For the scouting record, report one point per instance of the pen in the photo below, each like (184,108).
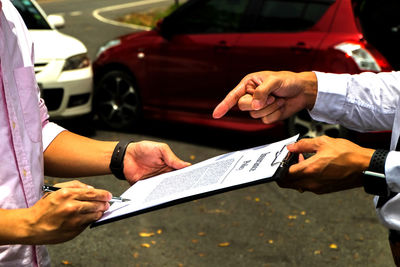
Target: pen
(375,174)
(49,188)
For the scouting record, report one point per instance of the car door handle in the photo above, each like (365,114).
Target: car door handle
(301,47)
(222,45)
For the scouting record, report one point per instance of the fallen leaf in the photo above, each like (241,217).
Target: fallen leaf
(307,221)
(153,242)
(145,245)
(202,254)
(192,157)
(201,234)
(271,241)
(195,241)
(143,234)
(136,255)
(159,231)
(292,217)
(224,244)
(317,252)
(333,246)
(303,213)
(250,250)
(257,199)
(65,262)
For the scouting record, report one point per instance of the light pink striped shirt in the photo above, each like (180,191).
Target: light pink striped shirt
(23,122)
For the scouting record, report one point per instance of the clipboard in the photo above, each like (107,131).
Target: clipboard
(281,164)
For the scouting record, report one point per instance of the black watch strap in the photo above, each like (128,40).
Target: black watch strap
(374,180)
(117,159)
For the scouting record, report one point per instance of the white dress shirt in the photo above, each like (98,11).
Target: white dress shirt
(366,102)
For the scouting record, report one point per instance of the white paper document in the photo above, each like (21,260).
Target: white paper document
(212,175)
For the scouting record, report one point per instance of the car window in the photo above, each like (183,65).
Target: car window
(380,23)
(31,16)
(288,15)
(212,16)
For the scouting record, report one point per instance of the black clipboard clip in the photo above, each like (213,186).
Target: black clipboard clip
(284,165)
(289,160)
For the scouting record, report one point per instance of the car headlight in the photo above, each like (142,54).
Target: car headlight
(77,62)
(108,45)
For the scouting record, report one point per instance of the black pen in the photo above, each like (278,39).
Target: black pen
(49,188)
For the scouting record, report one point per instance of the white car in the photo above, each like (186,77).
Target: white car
(62,66)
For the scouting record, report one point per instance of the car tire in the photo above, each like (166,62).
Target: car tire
(116,100)
(303,124)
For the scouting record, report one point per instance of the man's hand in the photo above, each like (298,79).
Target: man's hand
(61,215)
(146,159)
(271,96)
(336,165)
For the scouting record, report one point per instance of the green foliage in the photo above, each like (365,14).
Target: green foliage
(149,18)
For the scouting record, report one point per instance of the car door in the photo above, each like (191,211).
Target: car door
(284,35)
(191,64)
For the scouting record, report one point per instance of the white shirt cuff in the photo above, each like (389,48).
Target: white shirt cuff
(392,171)
(331,97)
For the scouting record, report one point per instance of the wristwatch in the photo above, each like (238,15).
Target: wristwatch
(374,180)
(117,159)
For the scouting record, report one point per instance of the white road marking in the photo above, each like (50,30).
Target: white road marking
(75,13)
(96,13)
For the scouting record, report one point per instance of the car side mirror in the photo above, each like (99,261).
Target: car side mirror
(56,21)
(164,29)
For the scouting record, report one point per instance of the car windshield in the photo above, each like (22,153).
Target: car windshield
(32,17)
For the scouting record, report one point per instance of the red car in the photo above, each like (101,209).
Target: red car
(183,68)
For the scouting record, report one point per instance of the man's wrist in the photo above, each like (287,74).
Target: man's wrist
(310,85)
(374,179)
(117,159)
(16,227)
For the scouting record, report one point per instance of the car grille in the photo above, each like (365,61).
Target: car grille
(52,98)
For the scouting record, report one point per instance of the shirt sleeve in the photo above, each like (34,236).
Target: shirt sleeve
(389,214)
(49,129)
(362,102)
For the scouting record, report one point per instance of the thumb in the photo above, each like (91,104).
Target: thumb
(172,160)
(303,146)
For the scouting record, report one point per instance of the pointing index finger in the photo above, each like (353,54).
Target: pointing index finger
(230,100)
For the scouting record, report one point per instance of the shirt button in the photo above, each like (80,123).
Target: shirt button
(13,125)
(24,172)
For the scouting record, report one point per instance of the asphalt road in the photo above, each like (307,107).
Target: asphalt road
(262,225)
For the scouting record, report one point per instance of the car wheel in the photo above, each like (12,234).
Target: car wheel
(303,124)
(116,100)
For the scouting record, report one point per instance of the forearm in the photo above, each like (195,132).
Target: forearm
(14,227)
(72,155)
(364,102)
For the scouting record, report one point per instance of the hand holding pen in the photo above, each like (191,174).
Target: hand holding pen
(61,215)
(49,189)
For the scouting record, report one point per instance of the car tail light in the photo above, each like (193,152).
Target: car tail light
(366,58)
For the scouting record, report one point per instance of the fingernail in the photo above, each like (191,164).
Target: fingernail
(89,186)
